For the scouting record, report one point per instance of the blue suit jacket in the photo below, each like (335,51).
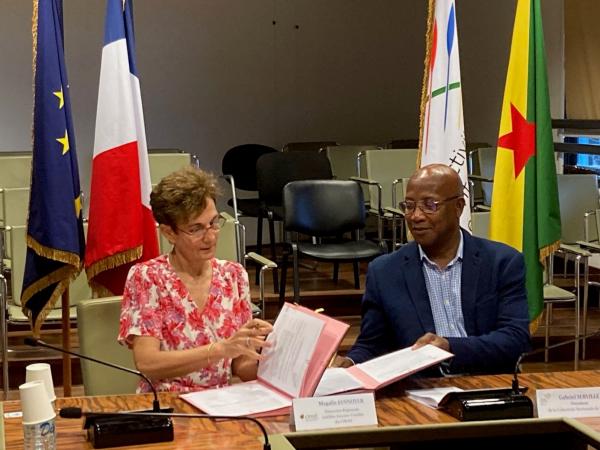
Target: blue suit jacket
(396,309)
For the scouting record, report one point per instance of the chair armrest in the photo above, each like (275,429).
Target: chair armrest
(483,208)
(590,245)
(231,181)
(261,260)
(370,182)
(589,213)
(266,264)
(566,248)
(481,178)
(365,181)
(586,224)
(394,211)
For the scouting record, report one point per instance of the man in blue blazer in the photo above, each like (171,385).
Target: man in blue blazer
(461,293)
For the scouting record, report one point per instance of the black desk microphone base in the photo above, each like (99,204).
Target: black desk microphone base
(487,404)
(119,430)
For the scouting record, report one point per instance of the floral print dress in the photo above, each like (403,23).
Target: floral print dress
(156,303)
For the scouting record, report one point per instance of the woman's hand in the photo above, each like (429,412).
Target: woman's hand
(247,341)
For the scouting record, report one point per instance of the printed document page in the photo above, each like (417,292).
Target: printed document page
(402,362)
(431,397)
(237,400)
(294,338)
(336,380)
(331,336)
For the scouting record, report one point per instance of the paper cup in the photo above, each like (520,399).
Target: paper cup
(41,372)
(35,403)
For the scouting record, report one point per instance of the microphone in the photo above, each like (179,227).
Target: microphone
(33,342)
(487,404)
(76,413)
(490,404)
(499,403)
(515,381)
(113,430)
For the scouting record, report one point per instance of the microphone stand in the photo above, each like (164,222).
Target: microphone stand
(515,381)
(74,413)
(113,430)
(500,403)
(155,403)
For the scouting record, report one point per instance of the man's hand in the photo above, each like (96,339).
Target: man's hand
(342,361)
(433,339)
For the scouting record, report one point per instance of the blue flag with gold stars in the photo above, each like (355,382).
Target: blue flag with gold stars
(55,239)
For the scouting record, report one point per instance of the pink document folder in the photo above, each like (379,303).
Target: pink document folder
(381,371)
(332,333)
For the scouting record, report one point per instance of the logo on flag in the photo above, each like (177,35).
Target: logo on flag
(442,125)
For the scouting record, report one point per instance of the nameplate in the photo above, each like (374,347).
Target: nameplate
(576,402)
(336,411)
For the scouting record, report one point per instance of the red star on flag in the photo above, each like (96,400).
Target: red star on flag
(521,140)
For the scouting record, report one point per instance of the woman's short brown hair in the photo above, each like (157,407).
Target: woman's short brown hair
(181,195)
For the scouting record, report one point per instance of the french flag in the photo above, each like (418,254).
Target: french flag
(121,229)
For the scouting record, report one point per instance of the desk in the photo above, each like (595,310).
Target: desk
(393,408)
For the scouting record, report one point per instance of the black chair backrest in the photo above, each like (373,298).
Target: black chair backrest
(307,146)
(275,170)
(240,162)
(403,143)
(323,207)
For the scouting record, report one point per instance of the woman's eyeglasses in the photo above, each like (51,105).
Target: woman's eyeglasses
(198,230)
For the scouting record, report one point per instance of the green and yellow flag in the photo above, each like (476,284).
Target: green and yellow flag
(525,212)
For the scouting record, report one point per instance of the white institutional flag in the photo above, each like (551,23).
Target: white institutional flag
(443,131)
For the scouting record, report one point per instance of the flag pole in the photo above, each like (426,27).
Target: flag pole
(66,343)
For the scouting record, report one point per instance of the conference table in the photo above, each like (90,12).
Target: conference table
(395,411)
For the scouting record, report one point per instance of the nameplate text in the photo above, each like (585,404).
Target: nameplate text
(575,402)
(336,411)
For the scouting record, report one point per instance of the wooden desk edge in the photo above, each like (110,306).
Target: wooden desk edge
(394,411)
(377,436)
(583,428)
(2,439)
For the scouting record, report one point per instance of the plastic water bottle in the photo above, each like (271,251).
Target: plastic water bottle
(40,436)
(39,432)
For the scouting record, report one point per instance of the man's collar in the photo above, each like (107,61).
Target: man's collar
(458,256)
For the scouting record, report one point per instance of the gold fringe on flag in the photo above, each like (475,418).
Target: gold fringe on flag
(424,96)
(34,33)
(52,253)
(545,252)
(534,324)
(99,291)
(63,277)
(112,261)
(548,250)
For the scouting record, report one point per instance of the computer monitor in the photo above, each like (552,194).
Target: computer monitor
(589,161)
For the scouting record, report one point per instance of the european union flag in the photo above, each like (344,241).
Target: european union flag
(55,239)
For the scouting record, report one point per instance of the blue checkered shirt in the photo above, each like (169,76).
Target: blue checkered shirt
(443,287)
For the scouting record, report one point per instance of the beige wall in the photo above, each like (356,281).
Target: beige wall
(582,59)
(216,73)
